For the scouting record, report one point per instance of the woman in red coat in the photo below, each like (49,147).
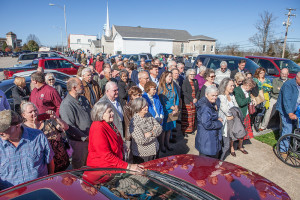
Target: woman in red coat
(105,141)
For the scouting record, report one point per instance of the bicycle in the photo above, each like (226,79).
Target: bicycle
(288,148)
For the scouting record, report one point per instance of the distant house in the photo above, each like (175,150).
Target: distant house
(130,40)
(95,46)
(11,41)
(80,41)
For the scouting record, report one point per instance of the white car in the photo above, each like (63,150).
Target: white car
(58,75)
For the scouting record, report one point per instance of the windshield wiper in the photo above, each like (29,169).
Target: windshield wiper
(181,186)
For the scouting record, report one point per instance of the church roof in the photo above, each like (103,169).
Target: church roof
(169,34)
(96,43)
(202,37)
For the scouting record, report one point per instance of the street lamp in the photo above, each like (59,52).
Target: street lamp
(64,8)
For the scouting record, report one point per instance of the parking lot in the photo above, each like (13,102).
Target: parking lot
(7,62)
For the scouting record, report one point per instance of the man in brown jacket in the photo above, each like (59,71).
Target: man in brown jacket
(91,88)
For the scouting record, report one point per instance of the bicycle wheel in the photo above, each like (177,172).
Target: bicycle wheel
(288,149)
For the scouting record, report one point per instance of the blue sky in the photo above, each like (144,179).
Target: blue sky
(229,21)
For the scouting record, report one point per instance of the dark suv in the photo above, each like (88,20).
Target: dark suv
(213,62)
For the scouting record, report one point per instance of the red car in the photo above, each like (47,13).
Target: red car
(173,177)
(54,63)
(273,65)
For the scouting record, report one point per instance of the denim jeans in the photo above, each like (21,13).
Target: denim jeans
(287,128)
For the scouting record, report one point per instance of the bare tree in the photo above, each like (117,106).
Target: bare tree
(34,38)
(264,34)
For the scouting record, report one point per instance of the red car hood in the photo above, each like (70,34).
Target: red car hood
(223,179)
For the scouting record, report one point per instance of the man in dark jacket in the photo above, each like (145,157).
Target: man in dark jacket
(287,103)
(241,68)
(91,88)
(75,111)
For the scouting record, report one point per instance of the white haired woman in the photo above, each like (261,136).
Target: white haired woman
(105,142)
(208,138)
(227,104)
(51,80)
(54,129)
(191,94)
(144,130)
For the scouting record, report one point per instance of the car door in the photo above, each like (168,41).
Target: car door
(52,64)
(67,67)
(268,66)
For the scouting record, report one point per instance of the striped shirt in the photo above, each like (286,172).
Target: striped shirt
(25,162)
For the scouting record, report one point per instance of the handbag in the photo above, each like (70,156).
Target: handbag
(251,108)
(260,98)
(173,117)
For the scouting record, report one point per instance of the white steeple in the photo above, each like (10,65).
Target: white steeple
(107,28)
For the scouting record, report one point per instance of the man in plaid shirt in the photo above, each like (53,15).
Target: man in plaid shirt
(25,153)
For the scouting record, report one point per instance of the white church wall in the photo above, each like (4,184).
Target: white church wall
(118,44)
(134,46)
(82,42)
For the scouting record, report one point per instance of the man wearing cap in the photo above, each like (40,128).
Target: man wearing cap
(25,153)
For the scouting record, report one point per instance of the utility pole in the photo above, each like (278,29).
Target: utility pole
(287,24)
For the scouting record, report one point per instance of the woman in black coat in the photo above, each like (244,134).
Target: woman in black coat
(20,93)
(191,94)
(124,85)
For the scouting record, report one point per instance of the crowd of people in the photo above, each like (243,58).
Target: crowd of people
(116,114)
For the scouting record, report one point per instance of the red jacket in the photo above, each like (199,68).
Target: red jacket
(98,66)
(46,98)
(105,147)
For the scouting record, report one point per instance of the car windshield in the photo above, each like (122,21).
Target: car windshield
(232,64)
(292,66)
(116,184)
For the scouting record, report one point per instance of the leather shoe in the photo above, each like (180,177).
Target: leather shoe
(243,151)
(260,130)
(163,150)
(233,154)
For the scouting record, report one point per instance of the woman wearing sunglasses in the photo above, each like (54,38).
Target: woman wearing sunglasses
(209,76)
(50,80)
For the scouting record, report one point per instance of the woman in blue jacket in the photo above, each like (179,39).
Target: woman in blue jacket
(169,99)
(154,106)
(209,136)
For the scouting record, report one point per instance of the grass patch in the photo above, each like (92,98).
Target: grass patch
(269,138)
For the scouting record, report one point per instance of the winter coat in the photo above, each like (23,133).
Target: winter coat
(209,136)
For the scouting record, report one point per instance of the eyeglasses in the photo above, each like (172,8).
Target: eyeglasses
(213,76)
(192,74)
(52,79)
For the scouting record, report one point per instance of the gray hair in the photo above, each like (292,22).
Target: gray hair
(202,68)
(211,89)
(24,105)
(223,63)
(110,84)
(72,82)
(138,104)
(179,64)
(120,63)
(189,71)
(171,63)
(99,109)
(86,70)
(48,76)
(223,85)
(141,74)
(123,71)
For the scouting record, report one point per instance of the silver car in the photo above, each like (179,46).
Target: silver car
(58,75)
(29,57)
